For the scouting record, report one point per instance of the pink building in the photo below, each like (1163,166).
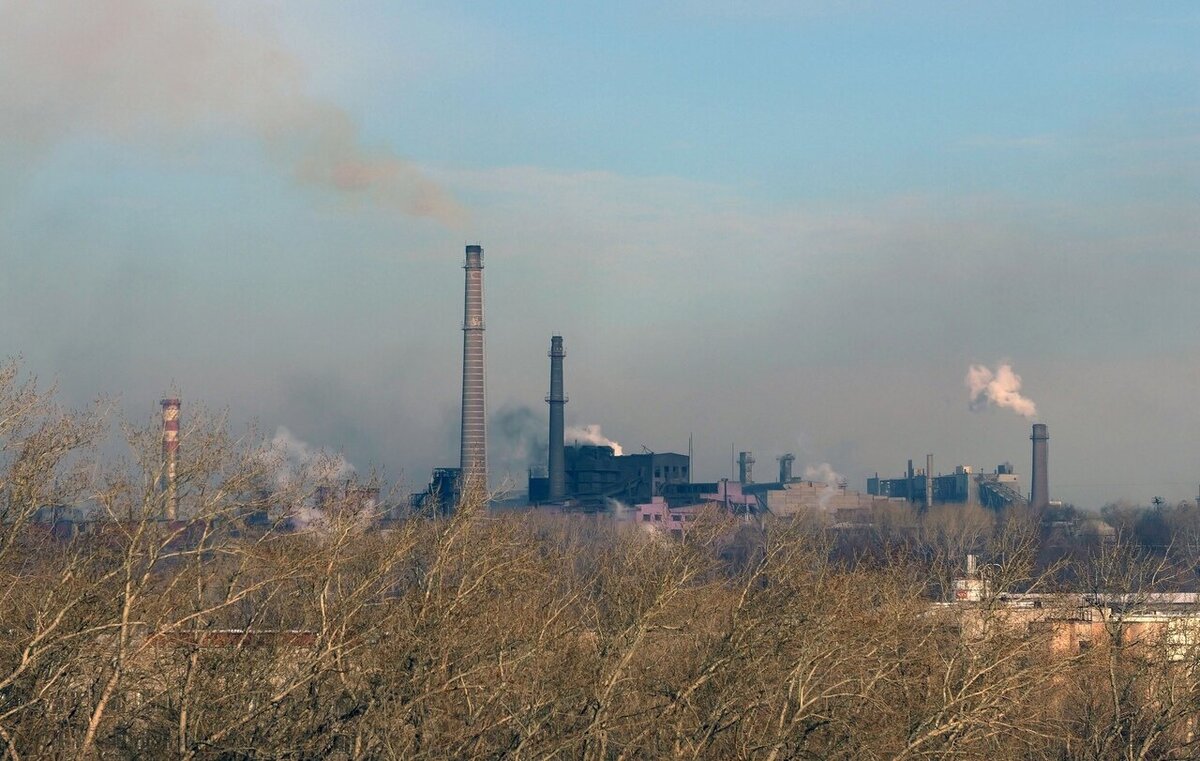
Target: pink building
(658,515)
(655,515)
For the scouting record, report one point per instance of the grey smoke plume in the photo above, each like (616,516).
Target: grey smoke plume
(170,70)
(824,474)
(519,438)
(591,434)
(1001,388)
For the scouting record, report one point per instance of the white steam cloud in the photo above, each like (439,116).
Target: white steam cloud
(591,434)
(294,458)
(824,474)
(172,71)
(1001,388)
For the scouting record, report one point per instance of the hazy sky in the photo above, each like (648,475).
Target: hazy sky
(792,226)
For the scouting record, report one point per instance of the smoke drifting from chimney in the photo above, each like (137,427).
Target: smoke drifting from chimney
(591,434)
(153,70)
(1001,388)
(520,433)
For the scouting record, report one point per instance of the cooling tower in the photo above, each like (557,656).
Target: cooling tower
(1039,491)
(170,451)
(473,454)
(557,399)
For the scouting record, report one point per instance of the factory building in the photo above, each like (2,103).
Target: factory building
(593,474)
(779,498)
(589,475)
(797,497)
(997,489)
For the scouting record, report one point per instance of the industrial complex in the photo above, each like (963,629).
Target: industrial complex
(658,489)
(591,477)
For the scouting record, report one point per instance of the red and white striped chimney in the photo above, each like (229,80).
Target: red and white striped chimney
(170,449)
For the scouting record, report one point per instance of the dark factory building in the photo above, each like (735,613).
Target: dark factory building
(594,474)
(442,493)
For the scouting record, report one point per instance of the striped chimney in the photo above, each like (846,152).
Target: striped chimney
(170,449)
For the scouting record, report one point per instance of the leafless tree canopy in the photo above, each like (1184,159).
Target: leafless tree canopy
(526,636)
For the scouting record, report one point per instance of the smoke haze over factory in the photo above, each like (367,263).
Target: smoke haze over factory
(802,256)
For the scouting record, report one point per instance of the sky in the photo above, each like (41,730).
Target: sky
(772,226)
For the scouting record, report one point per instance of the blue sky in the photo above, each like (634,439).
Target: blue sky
(789,226)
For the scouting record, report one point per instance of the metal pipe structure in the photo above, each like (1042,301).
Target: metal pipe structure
(746,467)
(473,453)
(170,451)
(1039,492)
(557,465)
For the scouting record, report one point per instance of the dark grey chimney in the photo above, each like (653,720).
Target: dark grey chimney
(1039,491)
(473,455)
(557,464)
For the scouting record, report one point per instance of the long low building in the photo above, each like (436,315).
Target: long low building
(997,489)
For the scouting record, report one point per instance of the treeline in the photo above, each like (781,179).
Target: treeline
(527,636)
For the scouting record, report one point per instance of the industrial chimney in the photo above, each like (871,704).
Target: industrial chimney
(785,468)
(557,464)
(746,467)
(928,481)
(473,454)
(1039,492)
(170,451)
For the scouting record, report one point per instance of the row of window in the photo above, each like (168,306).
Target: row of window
(672,472)
(677,518)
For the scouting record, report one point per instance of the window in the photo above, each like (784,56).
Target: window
(690,518)
(658,472)
(677,533)
(645,517)
(676,518)
(658,518)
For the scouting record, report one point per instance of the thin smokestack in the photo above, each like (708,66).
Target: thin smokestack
(1039,493)
(170,450)
(557,466)
(928,481)
(473,454)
